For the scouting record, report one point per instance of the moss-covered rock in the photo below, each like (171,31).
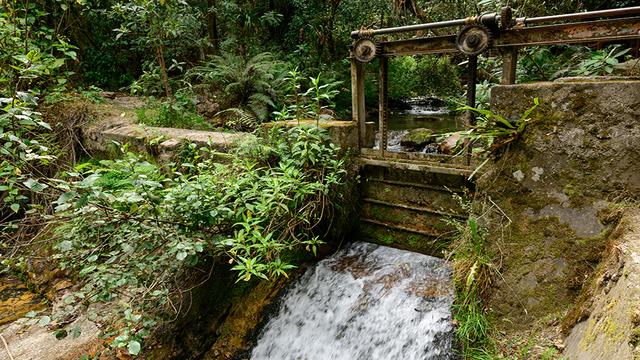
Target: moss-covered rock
(605,322)
(417,138)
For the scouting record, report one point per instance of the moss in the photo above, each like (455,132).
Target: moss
(16,299)
(534,240)
(418,138)
(404,240)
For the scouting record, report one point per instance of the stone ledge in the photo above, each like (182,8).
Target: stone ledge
(343,133)
(153,140)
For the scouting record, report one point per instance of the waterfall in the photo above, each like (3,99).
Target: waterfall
(366,302)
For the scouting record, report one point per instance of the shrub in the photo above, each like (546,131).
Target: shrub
(130,232)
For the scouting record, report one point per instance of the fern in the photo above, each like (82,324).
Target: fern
(250,86)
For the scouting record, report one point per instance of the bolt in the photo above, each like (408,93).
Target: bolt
(473,40)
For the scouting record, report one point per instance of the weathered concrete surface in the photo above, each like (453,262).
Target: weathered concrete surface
(551,198)
(609,306)
(116,121)
(342,133)
(26,340)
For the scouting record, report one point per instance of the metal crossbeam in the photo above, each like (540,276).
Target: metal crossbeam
(501,32)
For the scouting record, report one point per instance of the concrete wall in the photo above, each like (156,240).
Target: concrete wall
(553,196)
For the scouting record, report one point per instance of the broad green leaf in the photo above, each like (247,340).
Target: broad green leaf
(44,321)
(133,347)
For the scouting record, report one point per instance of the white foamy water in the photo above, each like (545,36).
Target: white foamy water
(367,302)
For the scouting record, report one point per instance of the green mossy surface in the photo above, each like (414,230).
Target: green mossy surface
(537,229)
(404,240)
(418,138)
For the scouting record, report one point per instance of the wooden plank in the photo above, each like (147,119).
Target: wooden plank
(440,159)
(418,167)
(401,228)
(444,189)
(421,209)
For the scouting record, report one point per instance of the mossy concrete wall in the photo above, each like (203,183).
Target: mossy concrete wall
(343,133)
(555,192)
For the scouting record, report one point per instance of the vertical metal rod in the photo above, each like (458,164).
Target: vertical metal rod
(472,72)
(357,100)
(509,65)
(383,102)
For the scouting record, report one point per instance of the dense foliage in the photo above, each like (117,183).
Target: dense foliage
(128,230)
(131,231)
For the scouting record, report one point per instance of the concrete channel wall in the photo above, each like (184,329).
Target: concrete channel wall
(556,195)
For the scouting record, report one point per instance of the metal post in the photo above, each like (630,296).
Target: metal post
(383,102)
(472,71)
(509,65)
(357,100)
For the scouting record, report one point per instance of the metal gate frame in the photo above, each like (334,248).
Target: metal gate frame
(507,35)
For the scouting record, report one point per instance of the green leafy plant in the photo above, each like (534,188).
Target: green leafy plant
(153,26)
(310,104)
(553,62)
(248,88)
(177,112)
(600,62)
(473,269)
(131,232)
(31,61)
(473,272)
(492,131)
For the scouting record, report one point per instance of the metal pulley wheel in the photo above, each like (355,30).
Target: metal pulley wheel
(365,49)
(473,39)
(506,18)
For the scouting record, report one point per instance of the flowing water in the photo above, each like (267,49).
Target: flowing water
(366,302)
(416,115)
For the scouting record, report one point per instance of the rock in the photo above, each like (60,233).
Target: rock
(417,138)
(16,300)
(325,117)
(448,145)
(608,313)
(206,106)
(110,125)
(431,102)
(628,68)
(27,340)
(108,94)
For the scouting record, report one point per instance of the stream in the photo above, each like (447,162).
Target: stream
(366,302)
(418,113)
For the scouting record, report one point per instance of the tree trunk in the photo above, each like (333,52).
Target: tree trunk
(331,45)
(212,26)
(163,69)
